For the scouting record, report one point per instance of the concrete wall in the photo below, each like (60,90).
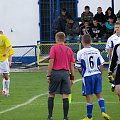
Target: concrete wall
(19,20)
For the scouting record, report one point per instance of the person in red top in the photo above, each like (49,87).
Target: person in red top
(61,64)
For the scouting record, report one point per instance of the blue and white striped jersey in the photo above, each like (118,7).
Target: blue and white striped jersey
(89,60)
(112,41)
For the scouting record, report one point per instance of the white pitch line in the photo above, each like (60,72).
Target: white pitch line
(29,101)
(23,104)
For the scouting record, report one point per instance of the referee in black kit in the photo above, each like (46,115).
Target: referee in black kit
(116,62)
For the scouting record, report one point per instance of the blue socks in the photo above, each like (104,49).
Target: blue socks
(89,107)
(102,104)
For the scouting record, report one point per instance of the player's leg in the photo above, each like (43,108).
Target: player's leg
(101,103)
(89,105)
(65,105)
(87,91)
(117,81)
(4,69)
(50,105)
(98,91)
(54,84)
(6,83)
(65,91)
(117,89)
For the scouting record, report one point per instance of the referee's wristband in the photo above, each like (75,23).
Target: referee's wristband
(48,75)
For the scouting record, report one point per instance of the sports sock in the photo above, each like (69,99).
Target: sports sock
(89,107)
(50,105)
(101,104)
(7,85)
(4,85)
(65,107)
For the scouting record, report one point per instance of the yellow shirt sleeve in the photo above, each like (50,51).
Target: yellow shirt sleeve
(7,41)
(11,52)
(4,44)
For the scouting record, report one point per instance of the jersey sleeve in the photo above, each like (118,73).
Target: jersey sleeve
(114,58)
(108,44)
(7,42)
(100,59)
(78,61)
(11,52)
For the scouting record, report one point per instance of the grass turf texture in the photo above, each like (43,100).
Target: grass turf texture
(25,86)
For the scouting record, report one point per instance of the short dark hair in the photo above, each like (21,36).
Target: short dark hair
(86,39)
(64,10)
(69,17)
(94,19)
(60,36)
(100,7)
(87,7)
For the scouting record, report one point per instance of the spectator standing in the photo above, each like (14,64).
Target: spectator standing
(61,64)
(60,22)
(72,30)
(87,15)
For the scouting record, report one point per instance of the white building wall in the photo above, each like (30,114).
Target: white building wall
(19,18)
(97,3)
(19,21)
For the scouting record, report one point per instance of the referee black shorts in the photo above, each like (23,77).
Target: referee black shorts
(60,82)
(117,78)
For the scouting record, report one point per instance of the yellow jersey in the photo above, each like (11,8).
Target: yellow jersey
(11,52)
(4,44)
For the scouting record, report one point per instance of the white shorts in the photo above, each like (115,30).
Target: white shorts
(4,67)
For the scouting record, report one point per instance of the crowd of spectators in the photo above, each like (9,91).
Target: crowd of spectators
(99,26)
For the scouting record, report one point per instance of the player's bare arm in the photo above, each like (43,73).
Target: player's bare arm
(72,72)
(101,69)
(50,66)
(80,70)
(110,53)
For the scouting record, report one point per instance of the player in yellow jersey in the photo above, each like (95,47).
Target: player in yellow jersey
(5,53)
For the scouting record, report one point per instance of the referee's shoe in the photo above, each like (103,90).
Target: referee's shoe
(50,118)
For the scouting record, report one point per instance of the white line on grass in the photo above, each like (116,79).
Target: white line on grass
(29,101)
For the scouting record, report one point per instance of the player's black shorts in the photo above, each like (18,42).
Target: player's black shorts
(60,82)
(117,78)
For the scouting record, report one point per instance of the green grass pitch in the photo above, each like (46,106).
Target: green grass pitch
(28,99)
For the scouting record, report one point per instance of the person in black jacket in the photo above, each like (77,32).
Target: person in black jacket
(85,28)
(60,22)
(99,16)
(110,13)
(96,31)
(115,62)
